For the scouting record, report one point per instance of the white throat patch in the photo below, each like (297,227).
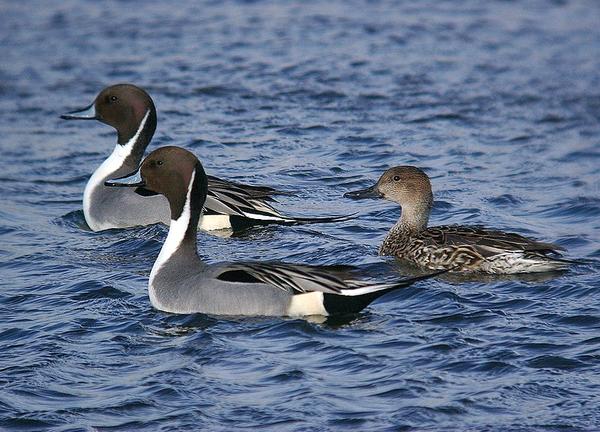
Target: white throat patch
(104,171)
(177,230)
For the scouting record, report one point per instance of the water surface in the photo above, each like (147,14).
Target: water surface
(498,101)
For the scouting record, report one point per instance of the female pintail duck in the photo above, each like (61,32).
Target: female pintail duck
(181,283)
(131,111)
(456,248)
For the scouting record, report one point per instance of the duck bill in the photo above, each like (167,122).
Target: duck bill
(130,180)
(133,180)
(372,192)
(87,113)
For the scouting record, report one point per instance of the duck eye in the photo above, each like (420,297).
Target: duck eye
(396,178)
(159,162)
(113,98)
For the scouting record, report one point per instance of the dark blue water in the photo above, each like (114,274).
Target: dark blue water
(498,101)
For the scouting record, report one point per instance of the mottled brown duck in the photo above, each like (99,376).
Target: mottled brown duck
(452,247)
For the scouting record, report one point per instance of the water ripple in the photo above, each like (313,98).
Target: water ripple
(497,101)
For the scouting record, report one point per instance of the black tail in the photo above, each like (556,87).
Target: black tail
(316,220)
(241,223)
(337,304)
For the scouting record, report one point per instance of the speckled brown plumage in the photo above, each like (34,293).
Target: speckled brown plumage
(452,247)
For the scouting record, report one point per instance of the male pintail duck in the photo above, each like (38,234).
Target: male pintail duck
(181,283)
(456,248)
(131,111)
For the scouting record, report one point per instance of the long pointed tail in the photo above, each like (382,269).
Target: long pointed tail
(240,223)
(315,220)
(549,263)
(354,300)
(568,261)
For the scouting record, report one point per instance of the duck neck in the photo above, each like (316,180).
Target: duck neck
(414,217)
(179,251)
(127,155)
(192,210)
(185,214)
(124,159)
(132,142)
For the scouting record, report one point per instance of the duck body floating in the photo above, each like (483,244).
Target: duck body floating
(131,111)
(180,282)
(452,247)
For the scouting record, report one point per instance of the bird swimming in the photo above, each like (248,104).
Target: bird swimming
(452,247)
(131,111)
(181,283)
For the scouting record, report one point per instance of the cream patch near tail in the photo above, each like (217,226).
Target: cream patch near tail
(307,304)
(214,222)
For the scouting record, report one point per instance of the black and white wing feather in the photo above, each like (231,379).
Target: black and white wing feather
(250,191)
(250,202)
(234,203)
(301,279)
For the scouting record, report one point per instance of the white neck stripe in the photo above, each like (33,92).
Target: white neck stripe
(128,146)
(177,230)
(176,234)
(104,171)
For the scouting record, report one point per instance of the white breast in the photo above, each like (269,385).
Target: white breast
(177,230)
(102,173)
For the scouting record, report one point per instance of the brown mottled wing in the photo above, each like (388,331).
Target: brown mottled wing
(485,242)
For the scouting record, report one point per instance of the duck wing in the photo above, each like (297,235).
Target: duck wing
(252,202)
(264,192)
(233,201)
(486,242)
(301,279)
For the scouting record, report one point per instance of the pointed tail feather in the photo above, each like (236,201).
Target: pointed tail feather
(411,280)
(568,261)
(552,264)
(346,303)
(555,261)
(259,219)
(315,220)
(240,223)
